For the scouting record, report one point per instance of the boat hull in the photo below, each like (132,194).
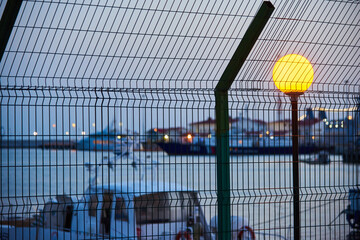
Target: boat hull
(173,148)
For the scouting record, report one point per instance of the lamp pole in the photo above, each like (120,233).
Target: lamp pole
(293,75)
(295,165)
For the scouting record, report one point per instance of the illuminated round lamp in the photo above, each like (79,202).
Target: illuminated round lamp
(293,74)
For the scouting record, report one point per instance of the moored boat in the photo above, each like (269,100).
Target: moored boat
(239,146)
(110,139)
(120,210)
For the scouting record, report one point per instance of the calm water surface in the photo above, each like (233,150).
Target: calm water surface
(261,185)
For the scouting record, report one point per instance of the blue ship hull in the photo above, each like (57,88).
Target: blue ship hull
(173,148)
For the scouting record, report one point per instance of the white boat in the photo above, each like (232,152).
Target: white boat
(110,139)
(123,147)
(126,210)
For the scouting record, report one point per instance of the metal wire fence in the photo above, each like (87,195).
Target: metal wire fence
(108,124)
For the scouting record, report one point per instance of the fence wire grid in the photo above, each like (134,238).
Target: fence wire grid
(108,127)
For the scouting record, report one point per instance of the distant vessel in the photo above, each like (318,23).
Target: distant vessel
(110,139)
(239,145)
(247,137)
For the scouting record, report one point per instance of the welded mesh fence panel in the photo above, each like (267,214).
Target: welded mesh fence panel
(108,121)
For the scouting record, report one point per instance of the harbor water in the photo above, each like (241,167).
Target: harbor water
(261,185)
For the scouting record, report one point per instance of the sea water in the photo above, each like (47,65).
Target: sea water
(261,186)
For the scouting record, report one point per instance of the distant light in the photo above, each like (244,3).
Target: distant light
(189,136)
(54,125)
(67,133)
(260,135)
(73,125)
(313,137)
(327,123)
(93,124)
(166,137)
(155,129)
(271,137)
(342,126)
(336,126)
(267,132)
(119,137)
(240,141)
(209,136)
(120,124)
(350,117)
(324,120)
(330,126)
(35,133)
(83,133)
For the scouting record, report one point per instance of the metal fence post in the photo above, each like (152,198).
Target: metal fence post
(7,22)
(222,116)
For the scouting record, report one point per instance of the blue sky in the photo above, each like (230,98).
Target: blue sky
(155,64)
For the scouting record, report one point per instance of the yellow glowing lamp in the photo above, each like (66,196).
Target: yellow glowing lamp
(293,74)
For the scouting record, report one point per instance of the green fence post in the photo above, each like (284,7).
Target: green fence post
(7,22)
(222,116)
